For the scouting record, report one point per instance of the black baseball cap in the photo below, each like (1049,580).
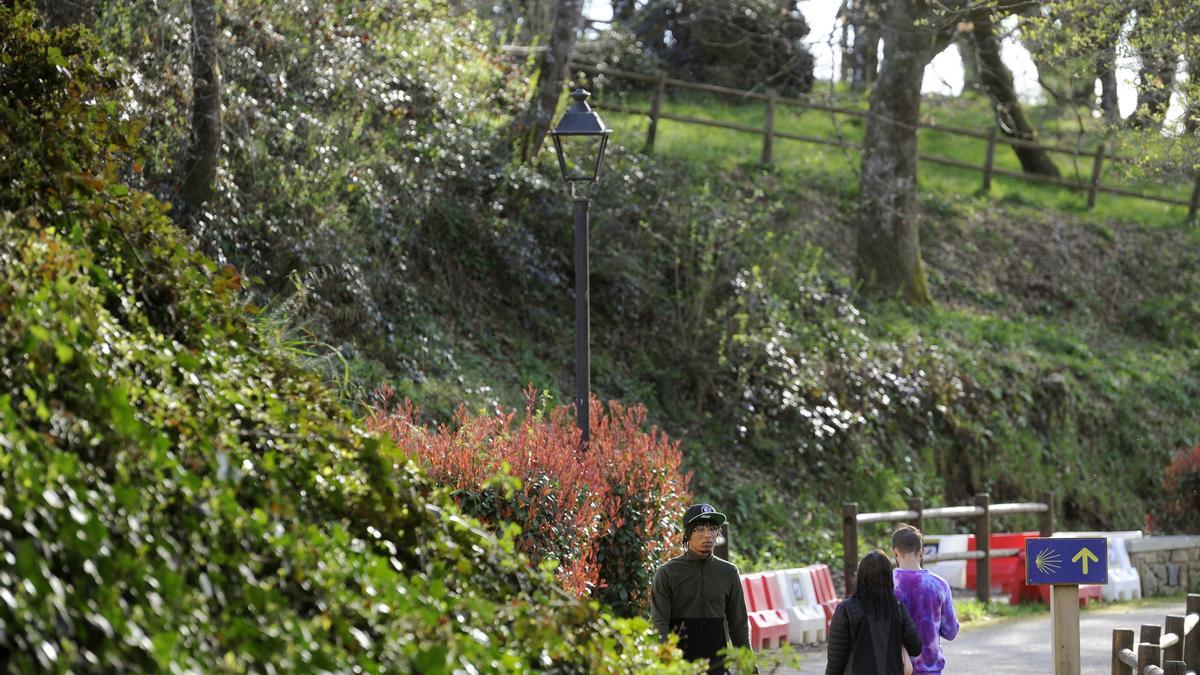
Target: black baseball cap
(702,512)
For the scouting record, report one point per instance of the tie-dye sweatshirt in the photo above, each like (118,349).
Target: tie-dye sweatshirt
(927,598)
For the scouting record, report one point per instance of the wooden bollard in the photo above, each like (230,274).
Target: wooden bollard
(1047,524)
(1122,640)
(983,544)
(1173,624)
(655,110)
(989,160)
(917,504)
(1191,646)
(1097,167)
(768,148)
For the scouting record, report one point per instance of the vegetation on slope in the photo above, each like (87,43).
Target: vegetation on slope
(365,187)
(176,492)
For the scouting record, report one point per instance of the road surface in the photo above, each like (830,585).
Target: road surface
(1005,646)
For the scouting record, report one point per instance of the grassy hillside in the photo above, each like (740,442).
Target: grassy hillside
(1146,171)
(1062,352)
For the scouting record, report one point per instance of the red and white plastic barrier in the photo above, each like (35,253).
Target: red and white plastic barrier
(806,619)
(768,626)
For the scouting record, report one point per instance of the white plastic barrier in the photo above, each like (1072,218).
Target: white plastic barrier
(1124,581)
(806,620)
(953,571)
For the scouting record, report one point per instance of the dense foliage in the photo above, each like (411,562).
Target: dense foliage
(605,516)
(176,493)
(1181,491)
(384,132)
(744,44)
(366,202)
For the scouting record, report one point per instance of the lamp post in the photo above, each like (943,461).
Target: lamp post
(579,141)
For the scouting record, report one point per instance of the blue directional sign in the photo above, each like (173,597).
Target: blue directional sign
(1066,561)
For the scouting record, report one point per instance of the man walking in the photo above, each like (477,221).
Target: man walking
(698,596)
(926,596)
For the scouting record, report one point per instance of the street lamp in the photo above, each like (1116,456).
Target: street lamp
(579,140)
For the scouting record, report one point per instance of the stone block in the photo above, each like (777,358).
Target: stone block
(1149,581)
(1173,581)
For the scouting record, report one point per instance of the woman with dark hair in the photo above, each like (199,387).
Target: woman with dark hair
(870,628)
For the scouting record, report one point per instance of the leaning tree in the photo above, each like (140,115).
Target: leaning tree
(888,221)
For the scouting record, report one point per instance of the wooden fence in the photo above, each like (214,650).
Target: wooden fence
(769,133)
(981,511)
(1173,648)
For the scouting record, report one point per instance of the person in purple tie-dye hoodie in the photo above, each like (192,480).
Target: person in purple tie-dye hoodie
(926,596)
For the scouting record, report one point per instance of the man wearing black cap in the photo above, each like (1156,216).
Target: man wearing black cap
(698,595)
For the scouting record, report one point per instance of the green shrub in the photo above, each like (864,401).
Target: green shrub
(176,494)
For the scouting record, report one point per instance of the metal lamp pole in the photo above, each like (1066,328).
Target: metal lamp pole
(583,365)
(580,140)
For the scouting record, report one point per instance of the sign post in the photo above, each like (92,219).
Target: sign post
(1064,564)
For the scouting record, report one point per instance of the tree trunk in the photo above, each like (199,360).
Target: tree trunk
(970,61)
(1155,78)
(63,13)
(888,223)
(533,126)
(198,171)
(847,59)
(1191,93)
(1107,71)
(997,80)
(1191,116)
(623,10)
(865,18)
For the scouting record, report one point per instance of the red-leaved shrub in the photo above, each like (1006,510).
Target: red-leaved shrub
(1181,491)
(607,515)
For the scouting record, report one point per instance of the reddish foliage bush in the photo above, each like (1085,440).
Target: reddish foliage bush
(1181,491)
(607,515)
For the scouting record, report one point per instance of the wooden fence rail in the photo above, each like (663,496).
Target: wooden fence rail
(982,511)
(769,133)
(1173,652)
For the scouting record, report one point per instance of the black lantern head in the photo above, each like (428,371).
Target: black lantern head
(580,139)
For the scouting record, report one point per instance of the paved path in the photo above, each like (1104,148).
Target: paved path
(1023,645)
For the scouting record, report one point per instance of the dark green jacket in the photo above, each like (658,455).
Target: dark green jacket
(700,598)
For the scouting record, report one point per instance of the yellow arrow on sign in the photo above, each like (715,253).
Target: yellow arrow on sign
(1085,554)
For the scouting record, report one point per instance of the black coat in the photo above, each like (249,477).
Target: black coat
(862,644)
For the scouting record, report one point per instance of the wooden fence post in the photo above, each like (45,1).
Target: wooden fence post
(655,109)
(983,543)
(1175,668)
(917,504)
(1191,648)
(769,128)
(989,159)
(850,544)
(1047,526)
(1173,624)
(1149,653)
(1122,639)
(1097,166)
(1195,206)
